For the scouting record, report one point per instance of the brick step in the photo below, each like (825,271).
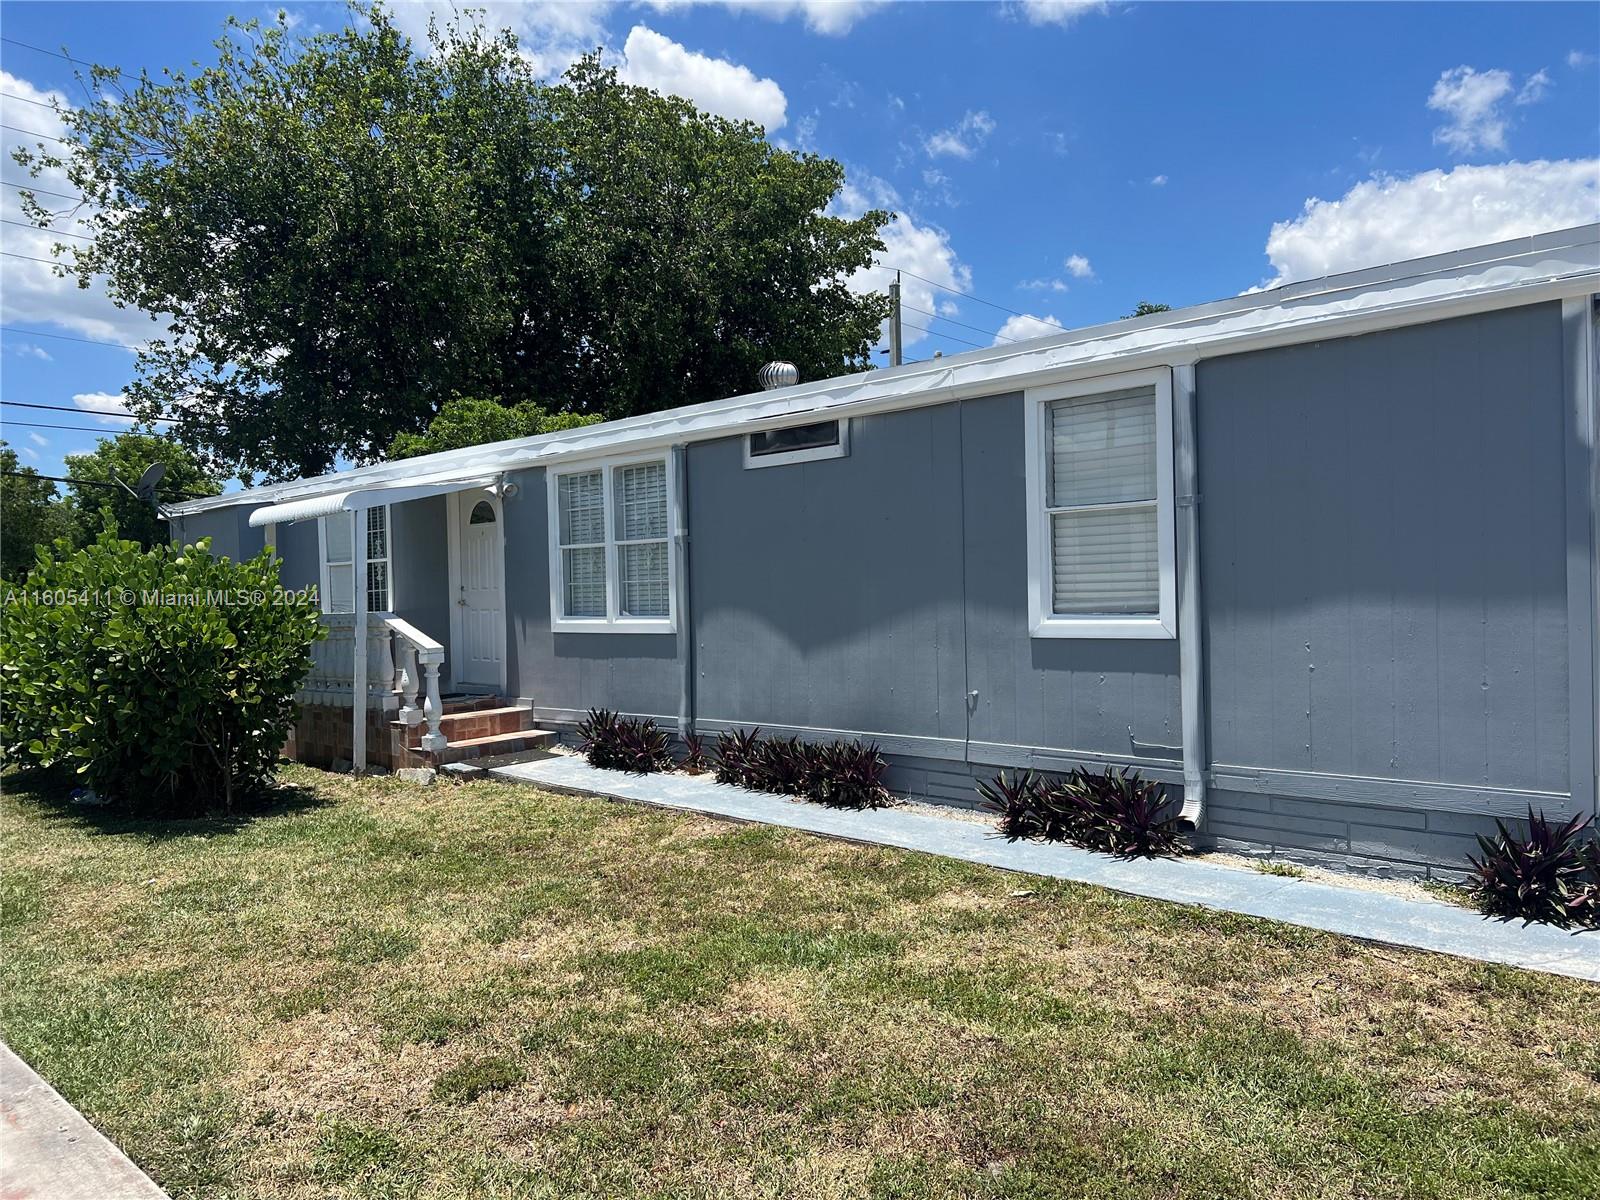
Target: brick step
(464,704)
(474,723)
(495,745)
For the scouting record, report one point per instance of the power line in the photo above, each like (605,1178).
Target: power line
(94,412)
(950,337)
(947,288)
(68,428)
(44,229)
(62,337)
(963,324)
(42,136)
(25,100)
(49,262)
(58,54)
(24,187)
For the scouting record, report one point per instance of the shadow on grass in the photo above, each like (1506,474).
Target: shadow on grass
(51,794)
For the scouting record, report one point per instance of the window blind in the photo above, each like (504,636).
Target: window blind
(1101,480)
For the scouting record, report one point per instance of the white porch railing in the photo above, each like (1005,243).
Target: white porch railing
(401,662)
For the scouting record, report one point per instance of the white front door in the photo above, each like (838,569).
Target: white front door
(477,569)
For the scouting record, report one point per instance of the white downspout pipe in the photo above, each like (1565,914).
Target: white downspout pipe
(1191,634)
(358,585)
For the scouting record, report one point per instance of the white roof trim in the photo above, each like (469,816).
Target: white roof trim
(328,503)
(1523,271)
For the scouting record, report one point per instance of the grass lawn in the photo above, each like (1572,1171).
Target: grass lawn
(485,991)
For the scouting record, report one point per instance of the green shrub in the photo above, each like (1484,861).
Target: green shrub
(166,678)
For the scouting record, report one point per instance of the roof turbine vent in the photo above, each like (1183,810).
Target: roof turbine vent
(778,375)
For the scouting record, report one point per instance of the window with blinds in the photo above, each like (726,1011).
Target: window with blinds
(612,567)
(338,561)
(1102,504)
(1100,481)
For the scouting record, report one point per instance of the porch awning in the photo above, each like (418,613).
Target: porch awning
(350,501)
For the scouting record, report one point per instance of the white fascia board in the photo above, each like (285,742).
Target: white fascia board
(1524,271)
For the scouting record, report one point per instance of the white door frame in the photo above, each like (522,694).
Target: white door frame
(453,518)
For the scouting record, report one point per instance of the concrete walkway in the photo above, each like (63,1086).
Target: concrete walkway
(49,1152)
(1356,912)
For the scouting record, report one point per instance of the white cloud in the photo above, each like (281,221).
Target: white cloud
(1534,87)
(915,249)
(830,17)
(1158,181)
(29,350)
(38,439)
(31,291)
(714,84)
(1078,267)
(964,139)
(1577,59)
(101,403)
(31,453)
(1472,100)
(1043,285)
(1054,12)
(553,34)
(1386,219)
(1024,326)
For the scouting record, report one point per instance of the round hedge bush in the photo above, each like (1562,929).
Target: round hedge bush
(165,678)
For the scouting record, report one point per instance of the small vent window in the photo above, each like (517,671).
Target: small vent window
(482,514)
(798,443)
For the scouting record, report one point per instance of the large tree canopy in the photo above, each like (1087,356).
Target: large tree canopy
(345,233)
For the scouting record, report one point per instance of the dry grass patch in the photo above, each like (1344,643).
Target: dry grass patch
(486,991)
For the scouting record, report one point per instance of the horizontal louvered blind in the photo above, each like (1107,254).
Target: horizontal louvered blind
(583,508)
(583,572)
(1101,480)
(1103,450)
(641,502)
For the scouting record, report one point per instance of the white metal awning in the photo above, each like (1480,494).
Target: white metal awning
(352,500)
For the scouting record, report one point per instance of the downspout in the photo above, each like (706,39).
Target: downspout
(358,684)
(682,592)
(1191,635)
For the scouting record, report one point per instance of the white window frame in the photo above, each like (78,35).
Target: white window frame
(1042,621)
(324,592)
(779,458)
(613,621)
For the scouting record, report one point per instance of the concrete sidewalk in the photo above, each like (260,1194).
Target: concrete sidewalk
(49,1152)
(1355,912)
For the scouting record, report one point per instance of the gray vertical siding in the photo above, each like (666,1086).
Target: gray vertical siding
(228,528)
(827,594)
(1092,695)
(633,672)
(1382,533)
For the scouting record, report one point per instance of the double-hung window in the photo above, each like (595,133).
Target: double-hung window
(336,536)
(611,566)
(1099,480)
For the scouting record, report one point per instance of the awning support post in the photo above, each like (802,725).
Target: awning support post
(358,587)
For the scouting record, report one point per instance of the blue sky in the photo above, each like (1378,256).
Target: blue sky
(1058,160)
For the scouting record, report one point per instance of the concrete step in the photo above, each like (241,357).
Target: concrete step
(495,745)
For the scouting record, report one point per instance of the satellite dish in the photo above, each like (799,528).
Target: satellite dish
(146,487)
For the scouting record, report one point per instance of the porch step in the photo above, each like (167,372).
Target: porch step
(495,745)
(463,725)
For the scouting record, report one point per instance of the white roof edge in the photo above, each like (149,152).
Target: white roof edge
(1523,270)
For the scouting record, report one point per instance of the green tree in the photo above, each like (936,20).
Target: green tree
(1147,308)
(467,421)
(30,515)
(122,460)
(340,234)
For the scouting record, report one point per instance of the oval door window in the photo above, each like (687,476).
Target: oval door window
(482,514)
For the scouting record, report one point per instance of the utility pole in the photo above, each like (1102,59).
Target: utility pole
(894,321)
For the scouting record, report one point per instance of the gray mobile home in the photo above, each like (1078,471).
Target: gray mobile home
(1320,558)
